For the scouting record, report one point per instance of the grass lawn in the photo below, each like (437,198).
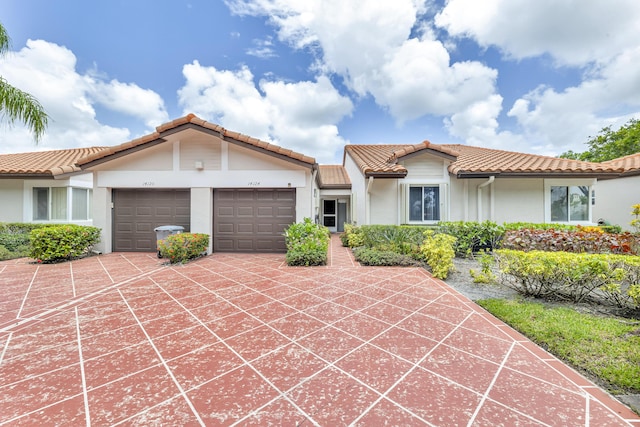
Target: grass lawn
(605,347)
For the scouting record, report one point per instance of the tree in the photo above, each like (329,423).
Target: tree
(18,105)
(610,144)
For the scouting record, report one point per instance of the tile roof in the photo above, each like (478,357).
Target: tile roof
(333,176)
(191,120)
(466,160)
(630,164)
(44,164)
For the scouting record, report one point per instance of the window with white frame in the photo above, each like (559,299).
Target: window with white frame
(424,203)
(52,204)
(568,201)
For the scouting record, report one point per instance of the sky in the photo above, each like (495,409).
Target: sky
(539,77)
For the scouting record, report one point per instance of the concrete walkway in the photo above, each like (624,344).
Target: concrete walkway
(122,339)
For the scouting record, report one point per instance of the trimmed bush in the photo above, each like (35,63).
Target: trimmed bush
(56,243)
(13,241)
(586,239)
(180,248)
(374,257)
(307,243)
(571,276)
(472,236)
(438,251)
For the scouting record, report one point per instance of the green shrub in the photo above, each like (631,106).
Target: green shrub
(307,243)
(5,253)
(472,236)
(485,275)
(21,227)
(374,257)
(571,276)
(62,242)
(538,226)
(438,251)
(13,241)
(179,248)
(352,236)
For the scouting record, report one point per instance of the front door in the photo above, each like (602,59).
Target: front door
(329,219)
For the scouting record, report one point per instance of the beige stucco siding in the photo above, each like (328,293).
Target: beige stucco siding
(518,200)
(11,193)
(424,167)
(384,202)
(358,192)
(155,158)
(614,199)
(208,152)
(224,165)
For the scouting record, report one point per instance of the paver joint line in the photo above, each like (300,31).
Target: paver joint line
(244,339)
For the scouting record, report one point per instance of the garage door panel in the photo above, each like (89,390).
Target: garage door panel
(138,211)
(252,220)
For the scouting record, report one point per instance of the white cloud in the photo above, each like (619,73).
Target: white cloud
(573,33)
(48,72)
(371,46)
(262,49)
(274,111)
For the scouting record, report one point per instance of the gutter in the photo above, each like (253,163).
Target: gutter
(480,187)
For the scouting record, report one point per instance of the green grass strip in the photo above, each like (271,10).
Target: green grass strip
(606,347)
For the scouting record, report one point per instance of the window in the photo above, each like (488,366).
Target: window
(51,204)
(81,204)
(569,203)
(424,203)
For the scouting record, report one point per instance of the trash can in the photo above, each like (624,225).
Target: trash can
(165,230)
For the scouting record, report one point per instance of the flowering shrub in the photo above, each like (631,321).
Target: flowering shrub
(62,242)
(183,247)
(582,240)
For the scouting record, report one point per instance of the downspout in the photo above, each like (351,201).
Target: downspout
(314,191)
(368,200)
(480,187)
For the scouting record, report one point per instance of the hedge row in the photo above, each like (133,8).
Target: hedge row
(571,276)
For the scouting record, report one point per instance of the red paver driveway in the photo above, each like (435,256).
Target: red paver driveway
(122,339)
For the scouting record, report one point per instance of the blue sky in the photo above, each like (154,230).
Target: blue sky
(537,77)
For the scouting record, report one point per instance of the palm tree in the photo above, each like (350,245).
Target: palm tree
(18,105)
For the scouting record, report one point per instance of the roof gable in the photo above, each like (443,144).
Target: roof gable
(191,121)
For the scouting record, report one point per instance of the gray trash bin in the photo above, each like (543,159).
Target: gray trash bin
(165,230)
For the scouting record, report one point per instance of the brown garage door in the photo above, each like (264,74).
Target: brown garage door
(252,220)
(136,212)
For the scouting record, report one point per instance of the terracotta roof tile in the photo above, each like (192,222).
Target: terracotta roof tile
(193,119)
(479,160)
(469,160)
(333,176)
(630,164)
(44,163)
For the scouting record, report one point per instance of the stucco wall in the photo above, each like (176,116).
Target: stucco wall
(614,198)
(235,168)
(384,202)
(358,189)
(519,200)
(11,191)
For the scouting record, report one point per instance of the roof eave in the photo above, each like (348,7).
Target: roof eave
(374,174)
(537,174)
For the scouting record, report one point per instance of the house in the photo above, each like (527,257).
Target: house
(427,183)
(241,191)
(614,197)
(46,186)
(244,192)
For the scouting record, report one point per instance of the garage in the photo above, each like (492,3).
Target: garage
(136,212)
(252,220)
